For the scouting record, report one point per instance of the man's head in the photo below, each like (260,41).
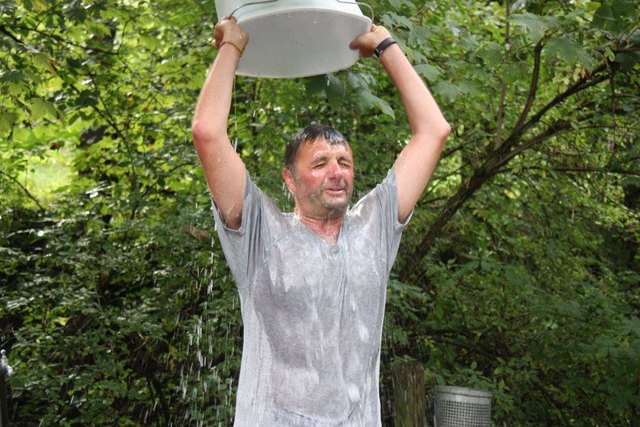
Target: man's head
(309,135)
(319,171)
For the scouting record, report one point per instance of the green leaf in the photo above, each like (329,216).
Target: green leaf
(149,42)
(396,4)
(628,60)
(492,54)
(16,82)
(360,80)
(42,109)
(568,51)
(315,84)
(535,27)
(615,16)
(448,91)
(399,4)
(335,90)
(393,20)
(562,48)
(42,61)
(62,321)
(368,100)
(428,71)
(7,119)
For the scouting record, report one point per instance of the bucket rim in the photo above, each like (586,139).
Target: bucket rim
(463,391)
(305,9)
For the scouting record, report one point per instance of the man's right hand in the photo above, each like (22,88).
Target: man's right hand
(228,31)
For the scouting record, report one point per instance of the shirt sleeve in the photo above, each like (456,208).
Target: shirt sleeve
(244,248)
(378,214)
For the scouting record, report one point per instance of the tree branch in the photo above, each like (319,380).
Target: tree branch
(616,171)
(554,128)
(25,190)
(533,86)
(503,85)
(582,84)
(6,32)
(54,37)
(496,161)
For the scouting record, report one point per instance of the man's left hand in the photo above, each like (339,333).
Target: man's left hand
(368,41)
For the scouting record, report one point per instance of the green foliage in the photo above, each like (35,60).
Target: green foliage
(518,273)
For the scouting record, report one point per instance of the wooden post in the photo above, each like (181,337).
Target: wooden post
(409,394)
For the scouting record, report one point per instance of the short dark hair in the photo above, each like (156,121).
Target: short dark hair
(311,133)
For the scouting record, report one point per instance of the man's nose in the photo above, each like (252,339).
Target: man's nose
(335,171)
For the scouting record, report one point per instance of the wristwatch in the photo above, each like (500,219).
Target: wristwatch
(383,45)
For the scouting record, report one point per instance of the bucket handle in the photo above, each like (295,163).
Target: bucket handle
(273,1)
(360,3)
(252,3)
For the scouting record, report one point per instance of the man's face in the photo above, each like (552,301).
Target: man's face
(322,179)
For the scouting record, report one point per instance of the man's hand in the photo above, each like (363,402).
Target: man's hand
(368,41)
(228,31)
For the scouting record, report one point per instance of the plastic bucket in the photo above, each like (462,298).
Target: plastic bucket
(296,38)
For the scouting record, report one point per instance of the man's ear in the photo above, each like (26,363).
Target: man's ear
(287,176)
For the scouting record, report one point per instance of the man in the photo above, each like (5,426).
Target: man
(312,283)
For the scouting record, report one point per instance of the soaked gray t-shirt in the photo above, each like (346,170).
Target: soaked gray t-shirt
(312,311)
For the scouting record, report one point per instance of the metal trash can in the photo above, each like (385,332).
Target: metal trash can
(461,407)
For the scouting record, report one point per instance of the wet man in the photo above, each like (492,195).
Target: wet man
(312,283)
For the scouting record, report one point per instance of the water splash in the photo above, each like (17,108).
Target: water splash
(206,386)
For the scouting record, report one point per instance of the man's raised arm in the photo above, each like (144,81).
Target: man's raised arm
(429,128)
(224,170)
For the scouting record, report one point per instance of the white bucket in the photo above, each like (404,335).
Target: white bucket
(296,38)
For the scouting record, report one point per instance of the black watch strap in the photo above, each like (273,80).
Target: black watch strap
(383,45)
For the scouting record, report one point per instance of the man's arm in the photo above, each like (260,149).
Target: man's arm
(429,128)
(224,170)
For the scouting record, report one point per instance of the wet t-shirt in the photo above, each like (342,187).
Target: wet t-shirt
(312,311)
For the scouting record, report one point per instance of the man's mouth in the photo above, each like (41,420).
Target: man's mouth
(336,190)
